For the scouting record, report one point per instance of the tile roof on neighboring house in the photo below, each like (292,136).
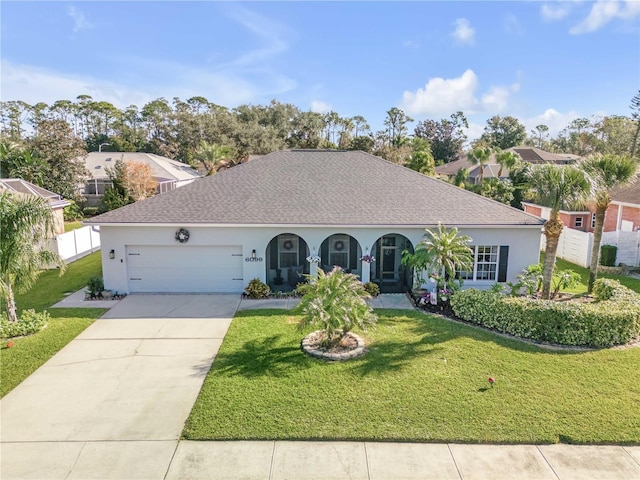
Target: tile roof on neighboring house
(319,187)
(627,194)
(21,186)
(537,155)
(161,167)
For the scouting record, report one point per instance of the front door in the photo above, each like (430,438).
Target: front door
(388,254)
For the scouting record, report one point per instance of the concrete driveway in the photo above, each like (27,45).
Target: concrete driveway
(129,380)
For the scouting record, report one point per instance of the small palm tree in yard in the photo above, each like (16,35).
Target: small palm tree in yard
(443,250)
(607,172)
(26,223)
(336,301)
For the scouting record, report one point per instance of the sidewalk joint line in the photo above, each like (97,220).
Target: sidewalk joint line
(548,462)
(366,457)
(273,459)
(173,455)
(454,462)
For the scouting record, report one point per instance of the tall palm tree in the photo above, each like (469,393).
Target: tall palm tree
(607,172)
(26,222)
(480,156)
(212,156)
(556,186)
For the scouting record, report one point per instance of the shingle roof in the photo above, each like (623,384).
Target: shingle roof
(537,155)
(490,170)
(628,194)
(19,185)
(319,187)
(161,167)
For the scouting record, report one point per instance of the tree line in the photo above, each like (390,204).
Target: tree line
(41,142)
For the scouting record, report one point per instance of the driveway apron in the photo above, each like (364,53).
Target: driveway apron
(132,376)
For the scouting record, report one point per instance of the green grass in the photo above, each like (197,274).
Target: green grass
(423,379)
(68,226)
(29,353)
(51,287)
(629,282)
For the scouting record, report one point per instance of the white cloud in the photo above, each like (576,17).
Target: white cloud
(320,107)
(553,119)
(80,22)
(512,24)
(442,96)
(464,33)
(603,12)
(410,44)
(474,131)
(33,84)
(555,12)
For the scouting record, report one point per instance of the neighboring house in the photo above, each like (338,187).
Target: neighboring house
(622,215)
(267,218)
(170,174)
(538,156)
(22,187)
(491,170)
(531,155)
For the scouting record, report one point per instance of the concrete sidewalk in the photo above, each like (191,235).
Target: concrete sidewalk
(281,460)
(400,461)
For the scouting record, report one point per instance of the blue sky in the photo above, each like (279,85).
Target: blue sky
(542,62)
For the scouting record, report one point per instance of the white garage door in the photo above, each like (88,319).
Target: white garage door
(182,269)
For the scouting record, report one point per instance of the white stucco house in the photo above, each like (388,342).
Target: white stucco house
(263,219)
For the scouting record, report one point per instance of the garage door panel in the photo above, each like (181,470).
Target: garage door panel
(182,269)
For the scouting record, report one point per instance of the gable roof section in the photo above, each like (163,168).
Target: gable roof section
(628,194)
(18,185)
(161,167)
(319,187)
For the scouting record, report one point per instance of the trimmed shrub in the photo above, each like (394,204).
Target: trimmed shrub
(95,286)
(372,289)
(72,212)
(30,322)
(608,255)
(603,323)
(257,289)
(90,211)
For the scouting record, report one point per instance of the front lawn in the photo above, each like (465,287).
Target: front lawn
(581,288)
(424,379)
(29,353)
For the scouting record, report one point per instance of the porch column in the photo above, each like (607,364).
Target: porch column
(313,271)
(366,272)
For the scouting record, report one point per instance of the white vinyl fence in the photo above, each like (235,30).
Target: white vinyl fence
(575,246)
(76,244)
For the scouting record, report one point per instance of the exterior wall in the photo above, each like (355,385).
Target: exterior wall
(533,210)
(58,221)
(524,245)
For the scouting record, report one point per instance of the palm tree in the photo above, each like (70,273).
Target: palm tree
(213,155)
(480,156)
(556,186)
(26,222)
(444,250)
(607,172)
(506,159)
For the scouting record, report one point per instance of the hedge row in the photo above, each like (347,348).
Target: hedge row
(613,319)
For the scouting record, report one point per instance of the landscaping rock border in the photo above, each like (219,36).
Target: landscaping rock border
(316,351)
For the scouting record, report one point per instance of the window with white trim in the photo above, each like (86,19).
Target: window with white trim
(485,263)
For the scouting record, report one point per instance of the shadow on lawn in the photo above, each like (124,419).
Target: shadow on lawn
(269,356)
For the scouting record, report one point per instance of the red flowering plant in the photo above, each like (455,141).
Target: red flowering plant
(492,381)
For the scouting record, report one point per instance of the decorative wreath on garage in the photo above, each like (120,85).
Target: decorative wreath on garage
(338,246)
(287,245)
(182,235)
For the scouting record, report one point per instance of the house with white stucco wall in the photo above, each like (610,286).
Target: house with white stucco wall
(266,218)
